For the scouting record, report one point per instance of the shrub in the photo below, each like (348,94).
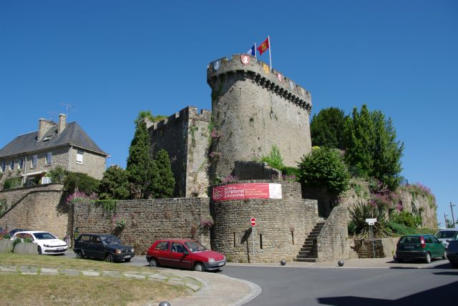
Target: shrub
(406,218)
(324,167)
(81,182)
(359,226)
(274,158)
(12,182)
(58,175)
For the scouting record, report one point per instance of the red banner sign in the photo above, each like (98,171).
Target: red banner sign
(247,191)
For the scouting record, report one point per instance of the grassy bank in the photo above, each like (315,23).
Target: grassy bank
(61,289)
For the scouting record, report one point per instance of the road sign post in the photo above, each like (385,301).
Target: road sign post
(253,226)
(371,222)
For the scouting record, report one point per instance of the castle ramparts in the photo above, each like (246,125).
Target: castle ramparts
(262,75)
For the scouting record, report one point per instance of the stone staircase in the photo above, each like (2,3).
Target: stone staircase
(309,252)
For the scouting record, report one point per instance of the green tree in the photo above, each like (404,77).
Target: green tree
(114,184)
(324,167)
(371,149)
(327,128)
(163,185)
(140,167)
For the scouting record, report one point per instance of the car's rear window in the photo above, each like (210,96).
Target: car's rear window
(410,239)
(446,234)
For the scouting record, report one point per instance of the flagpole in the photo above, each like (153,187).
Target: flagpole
(255,55)
(270,54)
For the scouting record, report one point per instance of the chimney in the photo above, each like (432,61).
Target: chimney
(43,127)
(62,123)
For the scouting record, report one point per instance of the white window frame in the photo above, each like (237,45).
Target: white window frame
(80,157)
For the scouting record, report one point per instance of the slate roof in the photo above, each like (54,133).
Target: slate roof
(73,135)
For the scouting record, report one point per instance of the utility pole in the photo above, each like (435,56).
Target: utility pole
(445,220)
(453,216)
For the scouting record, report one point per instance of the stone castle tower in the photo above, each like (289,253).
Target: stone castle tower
(254,108)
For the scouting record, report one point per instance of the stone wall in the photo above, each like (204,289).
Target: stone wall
(253,109)
(360,193)
(376,248)
(146,220)
(185,137)
(281,226)
(332,240)
(36,208)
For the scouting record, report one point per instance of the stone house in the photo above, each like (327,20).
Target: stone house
(32,155)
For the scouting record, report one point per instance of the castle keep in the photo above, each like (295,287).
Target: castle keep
(254,108)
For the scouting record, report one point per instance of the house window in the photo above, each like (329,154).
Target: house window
(3,166)
(21,163)
(34,161)
(79,157)
(49,158)
(12,165)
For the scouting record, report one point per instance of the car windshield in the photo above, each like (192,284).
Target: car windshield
(110,240)
(42,236)
(194,246)
(446,234)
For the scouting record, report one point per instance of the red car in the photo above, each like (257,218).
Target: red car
(184,253)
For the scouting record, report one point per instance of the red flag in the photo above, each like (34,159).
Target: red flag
(264,46)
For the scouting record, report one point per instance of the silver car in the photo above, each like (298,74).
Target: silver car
(446,235)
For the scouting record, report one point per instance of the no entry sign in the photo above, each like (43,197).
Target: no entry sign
(253,221)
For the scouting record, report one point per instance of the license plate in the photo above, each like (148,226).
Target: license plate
(408,247)
(127,256)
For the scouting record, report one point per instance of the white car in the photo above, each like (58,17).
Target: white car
(47,243)
(446,235)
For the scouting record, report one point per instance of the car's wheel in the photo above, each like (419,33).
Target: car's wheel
(109,258)
(428,258)
(40,251)
(454,264)
(198,267)
(152,262)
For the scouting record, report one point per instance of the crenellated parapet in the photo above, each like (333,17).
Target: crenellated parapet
(246,66)
(184,114)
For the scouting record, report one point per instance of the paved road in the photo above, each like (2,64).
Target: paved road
(432,284)
(350,286)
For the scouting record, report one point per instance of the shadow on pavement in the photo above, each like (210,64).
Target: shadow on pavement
(446,294)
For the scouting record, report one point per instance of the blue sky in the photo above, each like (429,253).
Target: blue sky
(108,60)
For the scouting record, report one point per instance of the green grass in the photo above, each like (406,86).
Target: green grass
(62,289)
